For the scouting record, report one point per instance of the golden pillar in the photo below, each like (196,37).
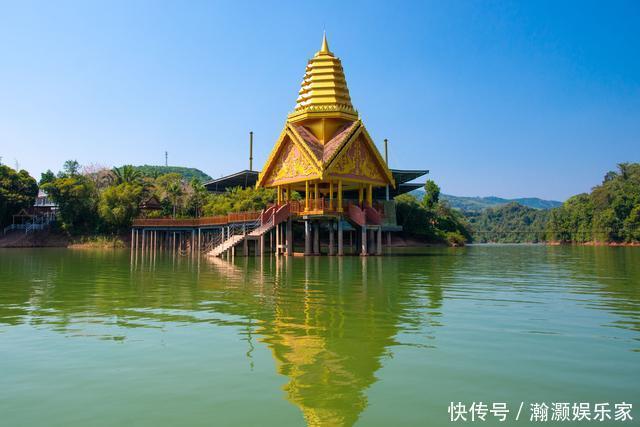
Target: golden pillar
(315,195)
(360,195)
(340,196)
(306,195)
(370,195)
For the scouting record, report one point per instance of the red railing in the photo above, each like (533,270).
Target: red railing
(197,222)
(357,215)
(373,216)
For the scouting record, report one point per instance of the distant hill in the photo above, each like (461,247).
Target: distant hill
(477,204)
(187,173)
(510,223)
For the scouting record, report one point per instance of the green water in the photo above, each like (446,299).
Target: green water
(94,338)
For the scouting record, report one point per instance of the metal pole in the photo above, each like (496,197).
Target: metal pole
(251,150)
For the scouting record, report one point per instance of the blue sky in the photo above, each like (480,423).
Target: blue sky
(512,99)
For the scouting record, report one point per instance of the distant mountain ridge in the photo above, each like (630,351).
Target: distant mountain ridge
(477,204)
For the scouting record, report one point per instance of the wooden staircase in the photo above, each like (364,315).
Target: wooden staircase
(269,218)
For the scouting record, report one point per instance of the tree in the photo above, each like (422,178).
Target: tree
(607,214)
(127,174)
(76,197)
(71,168)
(198,197)
(46,177)
(432,195)
(17,190)
(119,205)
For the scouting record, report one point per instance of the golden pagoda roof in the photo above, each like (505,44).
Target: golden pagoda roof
(324,87)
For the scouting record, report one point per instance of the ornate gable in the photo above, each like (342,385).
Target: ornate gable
(289,165)
(359,160)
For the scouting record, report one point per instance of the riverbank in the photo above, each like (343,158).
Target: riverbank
(56,239)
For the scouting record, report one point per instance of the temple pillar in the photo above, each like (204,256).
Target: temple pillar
(307,237)
(379,242)
(316,238)
(315,196)
(388,238)
(332,250)
(340,238)
(306,195)
(289,237)
(340,208)
(371,244)
(277,239)
(363,243)
(331,195)
(370,195)
(360,195)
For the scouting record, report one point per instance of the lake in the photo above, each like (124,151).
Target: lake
(100,338)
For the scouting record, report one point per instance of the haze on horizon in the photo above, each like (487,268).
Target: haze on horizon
(512,99)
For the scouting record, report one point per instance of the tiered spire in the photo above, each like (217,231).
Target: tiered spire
(324,88)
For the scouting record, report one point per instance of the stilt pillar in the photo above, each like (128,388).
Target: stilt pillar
(307,237)
(332,249)
(388,238)
(316,238)
(340,238)
(289,237)
(379,242)
(363,243)
(261,243)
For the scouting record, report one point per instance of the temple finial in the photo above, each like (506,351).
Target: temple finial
(325,46)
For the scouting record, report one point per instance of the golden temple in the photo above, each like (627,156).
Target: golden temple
(324,149)
(328,176)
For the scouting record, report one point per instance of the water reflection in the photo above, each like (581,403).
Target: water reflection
(330,324)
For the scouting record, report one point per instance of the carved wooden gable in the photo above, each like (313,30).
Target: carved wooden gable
(289,165)
(357,162)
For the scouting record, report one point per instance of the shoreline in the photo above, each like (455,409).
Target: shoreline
(60,240)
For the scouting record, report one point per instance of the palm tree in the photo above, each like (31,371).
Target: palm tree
(174,190)
(127,174)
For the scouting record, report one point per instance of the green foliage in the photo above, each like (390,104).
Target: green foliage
(46,177)
(186,174)
(438,224)
(127,174)
(77,199)
(431,195)
(511,223)
(119,204)
(17,190)
(239,200)
(610,213)
(478,204)
(70,168)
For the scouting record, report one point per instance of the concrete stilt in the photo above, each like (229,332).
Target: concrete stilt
(340,239)
(316,238)
(379,243)
(332,249)
(289,237)
(363,248)
(307,237)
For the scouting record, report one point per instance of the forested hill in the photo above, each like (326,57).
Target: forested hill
(510,223)
(477,204)
(187,173)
